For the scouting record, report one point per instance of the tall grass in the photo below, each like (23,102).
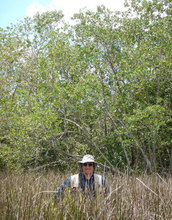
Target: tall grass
(32,196)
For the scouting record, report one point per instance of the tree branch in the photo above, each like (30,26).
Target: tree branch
(93,143)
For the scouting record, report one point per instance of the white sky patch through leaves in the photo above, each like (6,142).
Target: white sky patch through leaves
(69,7)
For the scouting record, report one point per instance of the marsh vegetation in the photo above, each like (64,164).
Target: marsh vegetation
(32,196)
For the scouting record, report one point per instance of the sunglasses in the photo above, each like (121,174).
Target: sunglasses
(89,164)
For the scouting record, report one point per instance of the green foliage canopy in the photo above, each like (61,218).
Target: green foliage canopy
(102,85)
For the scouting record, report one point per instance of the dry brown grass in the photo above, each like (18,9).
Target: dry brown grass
(25,196)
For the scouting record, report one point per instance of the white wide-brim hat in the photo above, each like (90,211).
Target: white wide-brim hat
(87,159)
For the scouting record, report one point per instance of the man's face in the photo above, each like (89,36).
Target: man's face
(88,169)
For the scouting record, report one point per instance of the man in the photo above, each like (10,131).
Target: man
(86,181)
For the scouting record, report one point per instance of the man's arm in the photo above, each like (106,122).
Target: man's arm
(61,188)
(105,184)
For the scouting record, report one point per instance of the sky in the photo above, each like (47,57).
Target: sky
(12,11)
